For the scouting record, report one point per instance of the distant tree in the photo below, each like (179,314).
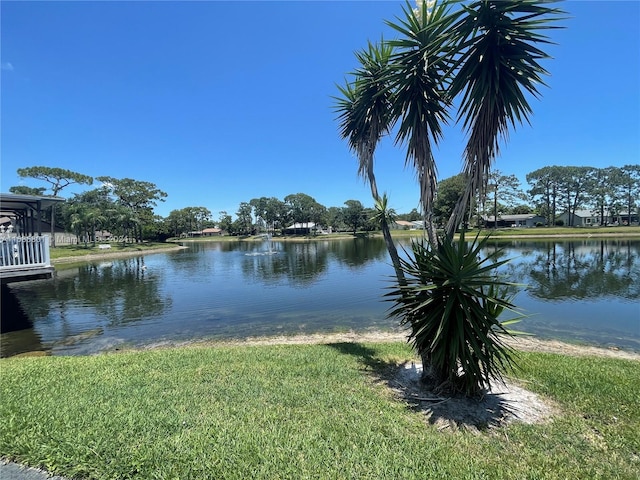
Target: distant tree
(197,216)
(629,186)
(270,212)
(573,185)
(520,210)
(157,230)
(175,222)
(354,215)
(260,211)
(447,196)
(318,212)
(304,209)
(277,213)
(505,187)
(334,218)
(23,190)
(600,192)
(412,216)
(244,221)
(187,219)
(225,221)
(58,179)
(85,212)
(544,187)
(126,223)
(138,196)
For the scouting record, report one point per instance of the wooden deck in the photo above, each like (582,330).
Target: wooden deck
(24,258)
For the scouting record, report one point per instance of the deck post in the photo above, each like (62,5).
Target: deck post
(45,250)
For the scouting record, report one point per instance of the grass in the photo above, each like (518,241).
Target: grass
(300,411)
(67,251)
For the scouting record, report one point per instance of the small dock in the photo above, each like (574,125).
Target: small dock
(24,250)
(24,258)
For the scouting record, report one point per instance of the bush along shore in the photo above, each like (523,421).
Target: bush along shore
(328,410)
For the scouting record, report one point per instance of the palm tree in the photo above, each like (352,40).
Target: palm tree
(365,117)
(485,54)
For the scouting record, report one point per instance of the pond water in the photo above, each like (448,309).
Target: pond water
(586,291)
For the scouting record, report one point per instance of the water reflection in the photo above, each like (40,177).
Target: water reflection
(584,290)
(578,269)
(359,251)
(300,264)
(84,300)
(120,291)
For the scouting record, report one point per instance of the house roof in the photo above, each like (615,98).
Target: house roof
(11,203)
(519,216)
(211,230)
(588,213)
(302,225)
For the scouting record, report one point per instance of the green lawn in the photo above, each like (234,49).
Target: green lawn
(310,411)
(88,250)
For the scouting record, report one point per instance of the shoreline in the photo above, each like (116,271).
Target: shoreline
(563,236)
(522,343)
(402,234)
(105,256)
(174,246)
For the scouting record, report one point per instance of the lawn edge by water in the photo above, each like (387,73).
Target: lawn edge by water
(524,343)
(94,253)
(301,411)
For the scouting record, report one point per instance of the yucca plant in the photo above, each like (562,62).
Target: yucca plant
(482,56)
(452,302)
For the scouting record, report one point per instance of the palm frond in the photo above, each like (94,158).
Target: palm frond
(422,55)
(497,67)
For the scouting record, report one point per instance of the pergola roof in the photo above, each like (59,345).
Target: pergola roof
(12,204)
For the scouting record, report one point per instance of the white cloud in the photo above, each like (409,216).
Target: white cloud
(6,66)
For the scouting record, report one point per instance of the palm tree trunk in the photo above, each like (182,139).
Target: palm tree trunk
(458,211)
(386,233)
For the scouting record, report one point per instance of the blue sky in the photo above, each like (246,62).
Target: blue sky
(221,102)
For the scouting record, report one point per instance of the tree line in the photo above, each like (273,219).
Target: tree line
(124,207)
(608,193)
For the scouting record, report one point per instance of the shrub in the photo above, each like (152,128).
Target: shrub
(451,302)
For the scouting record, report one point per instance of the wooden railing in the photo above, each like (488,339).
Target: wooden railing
(18,252)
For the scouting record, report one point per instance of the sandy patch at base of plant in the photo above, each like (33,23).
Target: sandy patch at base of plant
(505,403)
